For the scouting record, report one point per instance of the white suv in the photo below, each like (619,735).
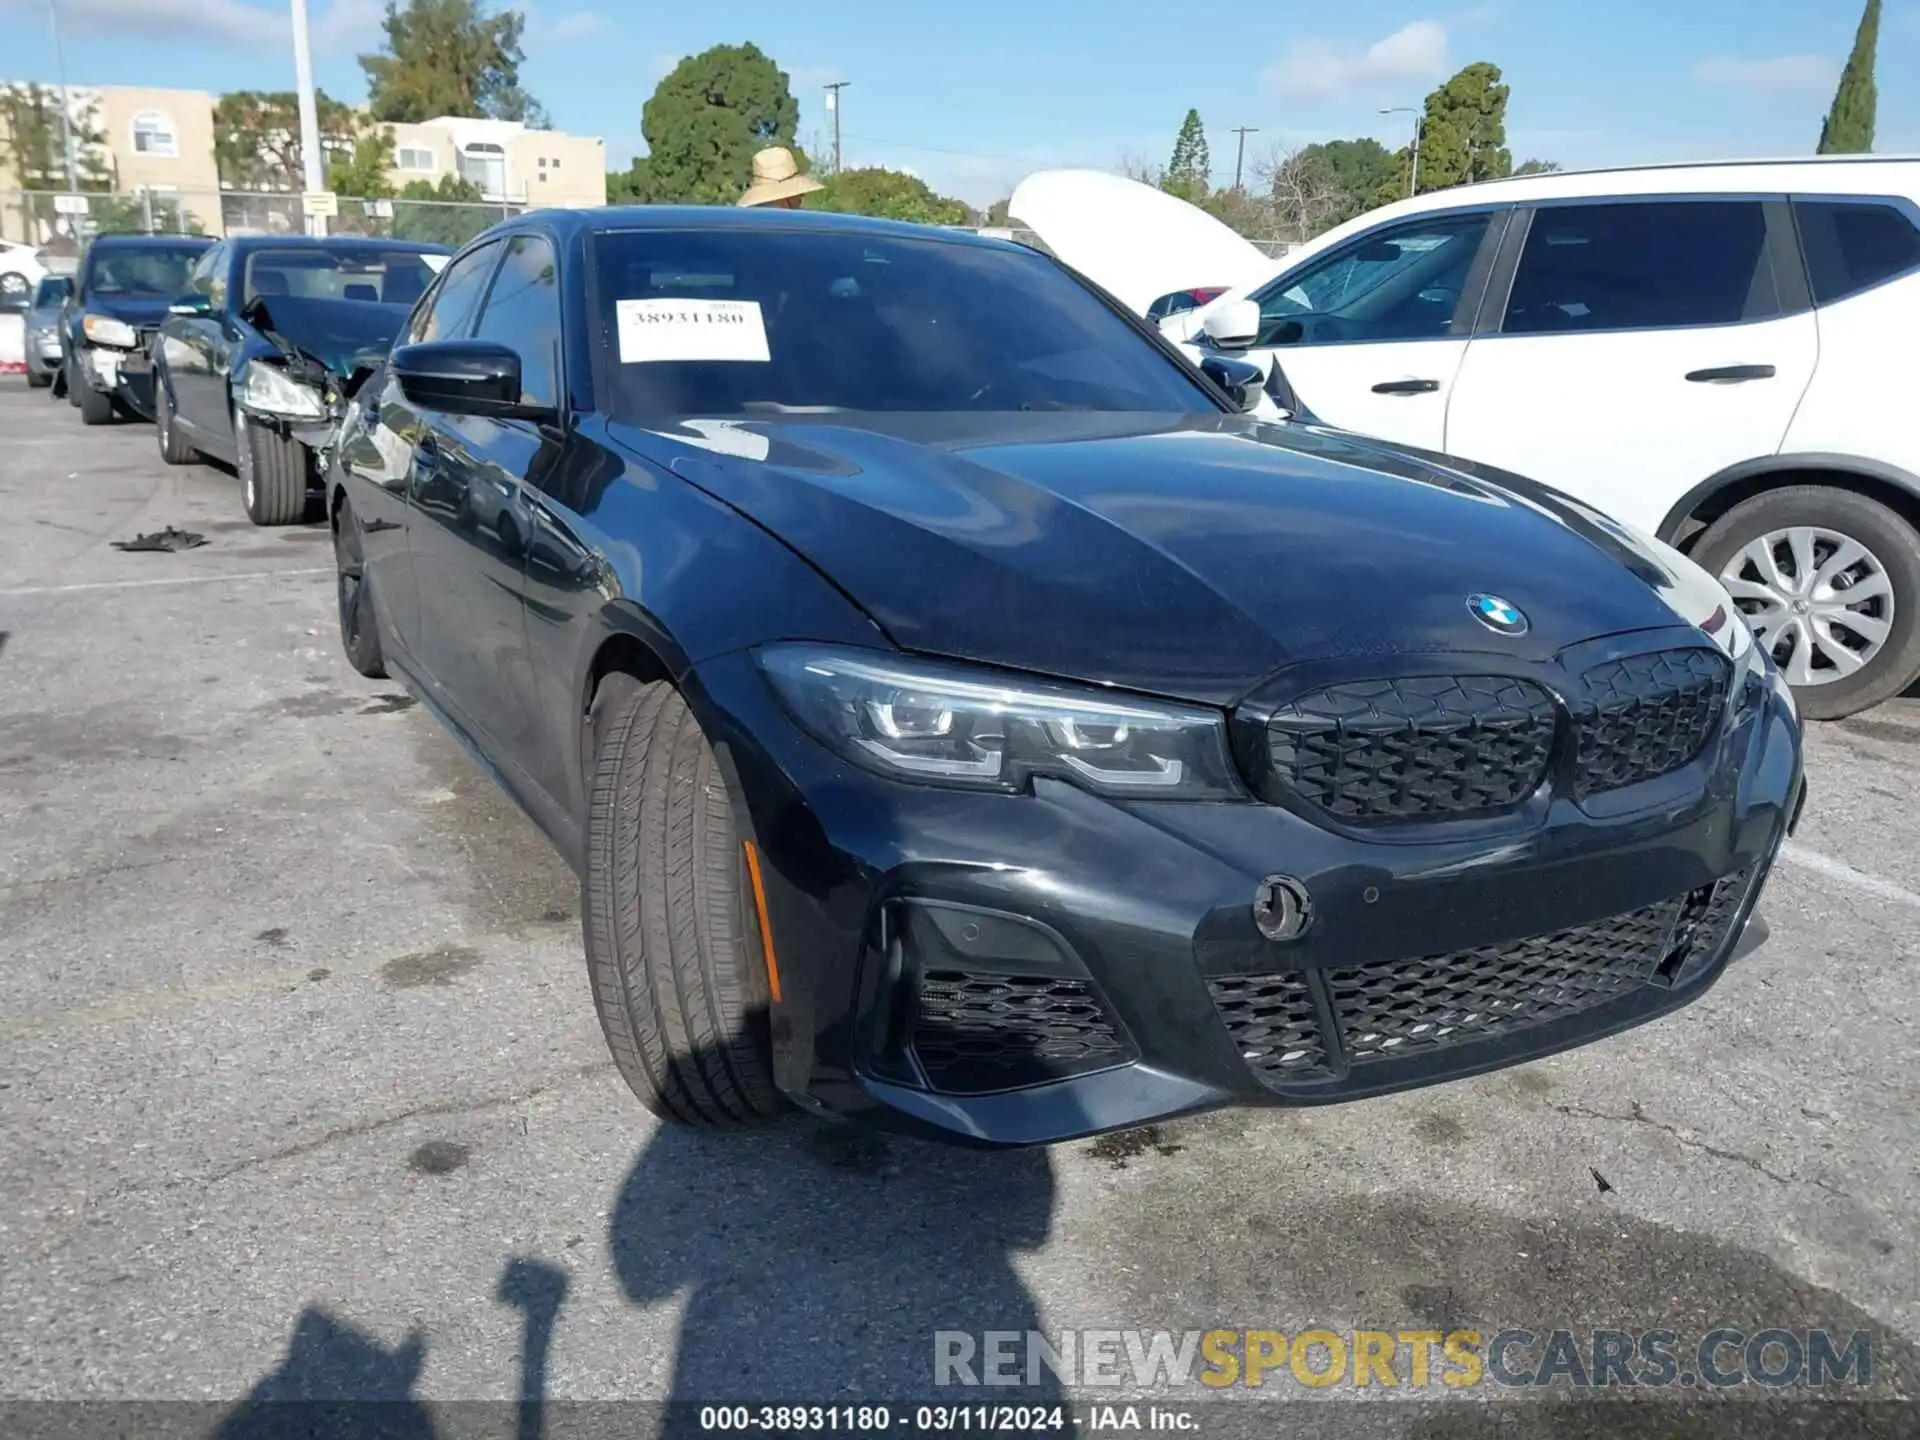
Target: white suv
(1722,355)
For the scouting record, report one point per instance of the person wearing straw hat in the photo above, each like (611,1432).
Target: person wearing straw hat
(778,180)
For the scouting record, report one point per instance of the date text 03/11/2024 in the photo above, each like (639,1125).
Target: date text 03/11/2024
(942,1419)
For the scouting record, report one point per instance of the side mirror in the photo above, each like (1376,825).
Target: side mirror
(1234,325)
(1241,380)
(192,303)
(465,377)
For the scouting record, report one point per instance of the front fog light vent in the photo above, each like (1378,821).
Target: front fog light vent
(1281,909)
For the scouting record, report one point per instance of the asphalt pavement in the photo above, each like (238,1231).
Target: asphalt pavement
(301,1091)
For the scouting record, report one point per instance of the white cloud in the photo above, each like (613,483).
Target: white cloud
(1782,72)
(579,25)
(339,25)
(1316,69)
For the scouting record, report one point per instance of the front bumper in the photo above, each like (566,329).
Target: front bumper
(1027,969)
(44,354)
(126,375)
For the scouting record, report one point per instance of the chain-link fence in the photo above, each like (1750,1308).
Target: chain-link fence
(61,223)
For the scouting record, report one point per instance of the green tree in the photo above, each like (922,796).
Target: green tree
(365,170)
(1536,167)
(449,57)
(1463,135)
(30,116)
(450,213)
(1336,180)
(888,194)
(632,186)
(1849,125)
(256,137)
(706,119)
(1186,174)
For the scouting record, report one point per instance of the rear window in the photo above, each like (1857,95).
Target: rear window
(729,322)
(1646,266)
(140,270)
(375,277)
(1854,245)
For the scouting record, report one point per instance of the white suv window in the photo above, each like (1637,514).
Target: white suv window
(1396,284)
(1653,265)
(1854,245)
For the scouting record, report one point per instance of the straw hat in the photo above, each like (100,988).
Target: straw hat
(776,176)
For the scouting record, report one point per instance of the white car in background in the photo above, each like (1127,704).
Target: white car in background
(1720,355)
(21,270)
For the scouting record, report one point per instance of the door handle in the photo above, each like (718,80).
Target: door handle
(1730,374)
(1406,387)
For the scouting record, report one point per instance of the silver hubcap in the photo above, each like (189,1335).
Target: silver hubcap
(1818,600)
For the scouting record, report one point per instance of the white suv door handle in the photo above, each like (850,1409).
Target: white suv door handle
(1730,374)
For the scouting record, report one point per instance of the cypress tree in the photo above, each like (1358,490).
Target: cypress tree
(1849,127)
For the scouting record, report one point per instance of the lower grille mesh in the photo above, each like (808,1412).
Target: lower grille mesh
(977,1032)
(1406,1007)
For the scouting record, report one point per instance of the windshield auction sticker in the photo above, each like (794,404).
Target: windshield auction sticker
(656,330)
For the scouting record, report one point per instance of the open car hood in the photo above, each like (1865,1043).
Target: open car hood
(1136,242)
(341,335)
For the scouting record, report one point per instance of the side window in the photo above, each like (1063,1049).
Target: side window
(447,312)
(211,264)
(1398,284)
(523,312)
(1853,245)
(1648,266)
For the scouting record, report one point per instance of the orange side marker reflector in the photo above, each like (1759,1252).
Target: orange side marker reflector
(766,927)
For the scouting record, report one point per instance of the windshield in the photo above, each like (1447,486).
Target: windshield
(52,291)
(732,322)
(377,277)
(148,270)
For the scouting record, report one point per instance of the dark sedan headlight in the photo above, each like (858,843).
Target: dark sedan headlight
(918,720)
(105,330)
(269,390)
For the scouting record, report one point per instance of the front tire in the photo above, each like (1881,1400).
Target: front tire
(673,945)
(173,448)
(359,621)
(1830,582)
(37,381)
(75,382)
(273,473)
(95,408)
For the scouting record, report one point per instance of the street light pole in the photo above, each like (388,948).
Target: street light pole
(66,106)
(310,156)
(833,89)
(1419,125)
(1240,151)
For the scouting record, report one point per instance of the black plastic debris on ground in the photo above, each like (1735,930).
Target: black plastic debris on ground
(167,539)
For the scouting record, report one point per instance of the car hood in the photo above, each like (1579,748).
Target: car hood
(143,311)
(1134,241)
(342,335)
(1188,556)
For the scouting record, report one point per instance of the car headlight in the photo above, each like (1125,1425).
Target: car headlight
(917,720)
(105,330)
(272,391)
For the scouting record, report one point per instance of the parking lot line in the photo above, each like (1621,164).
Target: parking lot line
(1839,870)
(177,580)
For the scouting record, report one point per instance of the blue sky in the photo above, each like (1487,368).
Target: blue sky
(972,96)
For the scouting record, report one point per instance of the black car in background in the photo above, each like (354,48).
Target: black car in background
(268,338)
(45,354)
(124,286)
(961,716)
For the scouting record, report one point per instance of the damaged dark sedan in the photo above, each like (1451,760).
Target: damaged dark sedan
(964,717)
(272,337)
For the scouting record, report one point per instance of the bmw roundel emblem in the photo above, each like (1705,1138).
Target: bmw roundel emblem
(1502,617)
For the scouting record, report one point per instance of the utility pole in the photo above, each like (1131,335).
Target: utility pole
(311,159)
(1419,125)
(833,89)
(1240,151)
(66,106)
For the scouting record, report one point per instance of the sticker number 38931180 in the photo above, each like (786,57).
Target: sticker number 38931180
(667,330)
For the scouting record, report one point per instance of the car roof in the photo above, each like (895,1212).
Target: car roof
(136,240)
(338,244)
(770,219)
(1838,174)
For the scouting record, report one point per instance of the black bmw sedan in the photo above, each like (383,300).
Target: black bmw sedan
(269,337)
(961,716)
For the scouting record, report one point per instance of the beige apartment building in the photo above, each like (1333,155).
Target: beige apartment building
(160,143)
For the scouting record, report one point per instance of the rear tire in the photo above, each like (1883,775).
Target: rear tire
(75,384)
(173,448)
(672,939)
(273,473)
(95,408)
(1891,548)
(359,620)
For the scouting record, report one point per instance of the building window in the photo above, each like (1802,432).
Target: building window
(153,134)
(556,163)
(543,177)
(408,157)
(485,165)
(543,162)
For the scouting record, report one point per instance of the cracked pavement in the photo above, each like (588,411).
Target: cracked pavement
(298,1068)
